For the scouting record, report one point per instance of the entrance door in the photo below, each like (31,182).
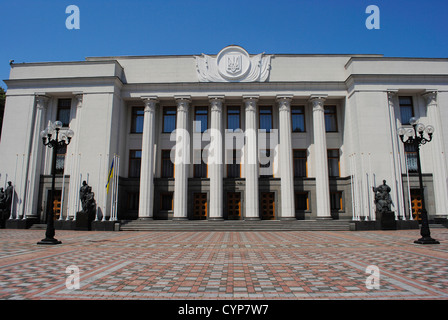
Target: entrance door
(416,201)
(200,206)
(267,206)
(55,205)
(234,205)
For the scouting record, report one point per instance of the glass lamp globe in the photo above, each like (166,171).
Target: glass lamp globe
(70,133)
(410,133)
(401,131)
(420,127)
(429,129)
(43,134)
(413,121)
(57,124)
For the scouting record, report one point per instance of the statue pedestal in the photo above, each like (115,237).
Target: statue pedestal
(83,221)
(388,221)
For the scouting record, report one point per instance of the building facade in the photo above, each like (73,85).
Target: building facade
(227,136)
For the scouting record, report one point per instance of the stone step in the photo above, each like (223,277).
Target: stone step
(229,225)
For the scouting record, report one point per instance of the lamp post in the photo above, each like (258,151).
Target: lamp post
(56,144)
(415,137)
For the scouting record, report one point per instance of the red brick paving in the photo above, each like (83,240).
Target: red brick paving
(223,265)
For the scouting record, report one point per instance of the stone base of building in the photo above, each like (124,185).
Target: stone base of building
(388,225)
(105,226)
(18,223)
(65,225)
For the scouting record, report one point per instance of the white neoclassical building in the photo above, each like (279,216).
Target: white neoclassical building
(231,135)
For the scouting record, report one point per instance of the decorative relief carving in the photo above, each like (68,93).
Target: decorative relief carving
(233,64)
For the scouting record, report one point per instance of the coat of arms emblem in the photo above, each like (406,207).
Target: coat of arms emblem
(233,63)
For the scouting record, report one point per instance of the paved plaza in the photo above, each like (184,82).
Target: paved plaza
(223,265)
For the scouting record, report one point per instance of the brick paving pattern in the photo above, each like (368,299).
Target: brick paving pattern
(223,265)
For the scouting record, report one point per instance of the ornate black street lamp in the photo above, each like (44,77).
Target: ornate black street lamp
(56,144)
(416,139)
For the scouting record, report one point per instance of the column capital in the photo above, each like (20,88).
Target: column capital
(41,100)
(250,102)
(150,103)
(216,103)
(79,97)
(391,95)
(183,102)
(317,101)
(430,97)
(284,102)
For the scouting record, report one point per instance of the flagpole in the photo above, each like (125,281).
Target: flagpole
(99,183)
(13,190)
(351,185)
(105,192)
(409,188)
(62,196)
(116,189)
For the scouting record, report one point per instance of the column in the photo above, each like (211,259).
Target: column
(34,164)
(215,159)
(397,184)
(146,198)
(182,159)
(321,160)
(440,175)
(74,161)
(286,166)
(251,160)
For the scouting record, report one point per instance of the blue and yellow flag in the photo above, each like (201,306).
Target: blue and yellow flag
(111,172)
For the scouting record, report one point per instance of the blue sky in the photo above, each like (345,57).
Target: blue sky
(35,31)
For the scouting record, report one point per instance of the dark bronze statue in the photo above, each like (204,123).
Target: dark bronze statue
(87,198)
(383,200)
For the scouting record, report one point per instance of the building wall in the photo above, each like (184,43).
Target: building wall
(365,89)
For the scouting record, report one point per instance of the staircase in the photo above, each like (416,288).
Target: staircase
(236,225)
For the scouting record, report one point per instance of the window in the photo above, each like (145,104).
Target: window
(234,168)
(406,109)
(135,160)
(60,160)
(266,118)
(298,119)
(200,167)
(166,201)
(336,201)
(300,163)
(167,165)
(63,114)
(169,119)
(265,163)
(137,119)
(333,162)
(201,118)
(331,119)
(233,118)
(302,201)
(411,157)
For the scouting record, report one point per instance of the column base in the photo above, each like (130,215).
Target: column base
(288,218)
(252,219)
(324,218)
(215,219)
